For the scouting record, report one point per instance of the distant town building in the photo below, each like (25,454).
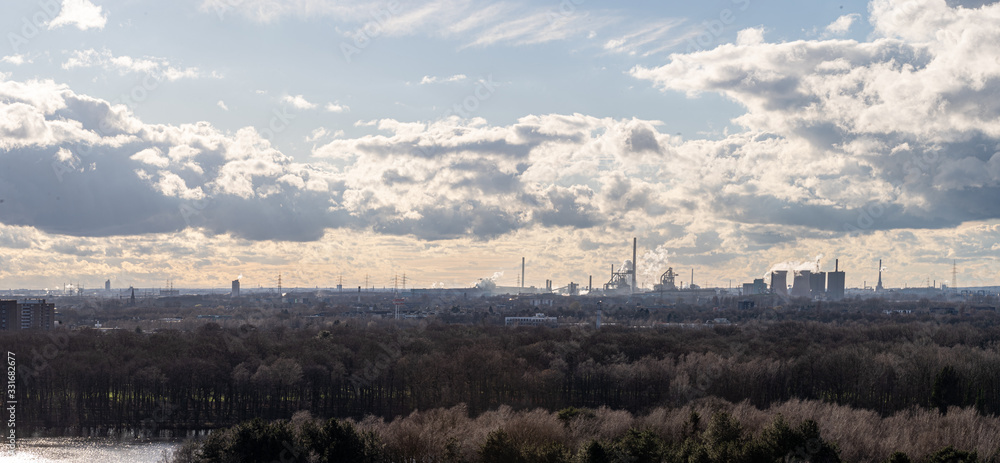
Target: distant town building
(30,314)
(542,301)
(107,285)
(236,288)
(538,320)
(9,319)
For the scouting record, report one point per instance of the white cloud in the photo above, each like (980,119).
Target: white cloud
(903,123)
(650,39)
(171,184)
(80,13)
(437,80)
(159,68)
(222,104)
(473,22)
(298,101)
(884,137)
(16,60)
(322,133)
(151,156)
(843,24)
(337,108)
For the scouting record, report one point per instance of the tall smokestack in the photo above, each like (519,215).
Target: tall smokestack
(522,273)
(635,263)
(836,265)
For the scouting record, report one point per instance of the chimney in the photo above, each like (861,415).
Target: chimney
(635,263)
(522,273)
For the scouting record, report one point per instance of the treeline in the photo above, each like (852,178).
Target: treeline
(216,376)
(709,431)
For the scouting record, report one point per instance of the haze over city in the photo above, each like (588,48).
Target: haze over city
(197,141)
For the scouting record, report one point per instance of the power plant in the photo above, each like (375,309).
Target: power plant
(624,280)
(835,283)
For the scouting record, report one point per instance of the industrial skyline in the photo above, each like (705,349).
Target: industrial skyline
(347,141)
(789,279)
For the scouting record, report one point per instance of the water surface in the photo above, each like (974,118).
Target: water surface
(90,449)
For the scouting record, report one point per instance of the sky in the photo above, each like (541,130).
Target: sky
(337,141)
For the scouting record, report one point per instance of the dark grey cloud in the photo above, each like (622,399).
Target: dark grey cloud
(569,207)
(450,222)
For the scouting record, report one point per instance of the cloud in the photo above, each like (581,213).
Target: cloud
(111,174)
(222,104)
(474,22)
(337,108)
(835,129)
(650,39)
(80,13)
(151,156)
(16,60)
(436,80)
(298,102)
(842,25)
(844,142)
(322,133)
(159,68)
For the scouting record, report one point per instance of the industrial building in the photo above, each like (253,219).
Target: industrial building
(805,283)
(624,280)
(30,314)
(801,283)
(835,283)
(756,288)
(817,284)
(779,282)
(236,289)
(878,287)
(538,320)
(668,281)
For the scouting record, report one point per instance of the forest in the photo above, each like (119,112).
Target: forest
(939,379)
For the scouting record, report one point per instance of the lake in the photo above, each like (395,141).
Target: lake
(95,449)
